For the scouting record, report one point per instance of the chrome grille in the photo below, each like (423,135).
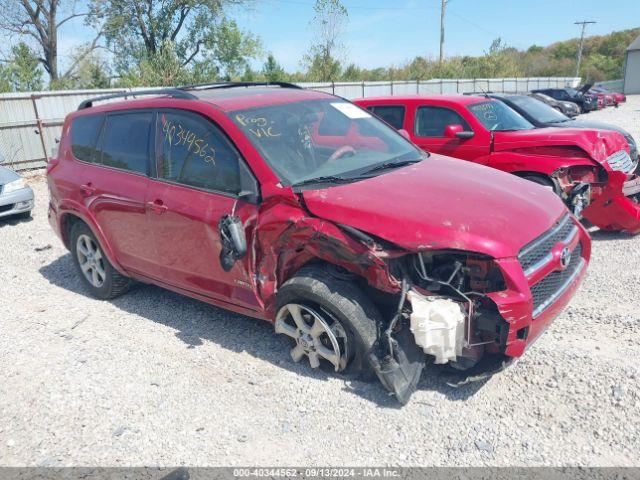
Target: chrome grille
(621,162)
(547,290)
(535,252)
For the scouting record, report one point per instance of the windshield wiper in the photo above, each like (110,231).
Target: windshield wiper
(322,179)
(389,165)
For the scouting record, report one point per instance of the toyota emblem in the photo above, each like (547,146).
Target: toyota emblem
(565,257)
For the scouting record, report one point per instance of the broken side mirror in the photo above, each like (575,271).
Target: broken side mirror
(405,134)
(234,241)
(456,131)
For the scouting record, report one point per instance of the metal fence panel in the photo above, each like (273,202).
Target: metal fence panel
(31,122)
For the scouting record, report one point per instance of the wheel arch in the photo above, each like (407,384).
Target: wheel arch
(547,178)
(68,219)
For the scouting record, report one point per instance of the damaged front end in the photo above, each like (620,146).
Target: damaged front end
(616,204)
(607,195)
(443,312)
(459,306)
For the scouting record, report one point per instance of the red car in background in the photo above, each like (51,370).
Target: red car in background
(300,208)
(591,170)
(604,99)
(611,98)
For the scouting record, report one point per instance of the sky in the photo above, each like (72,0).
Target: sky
(392,32)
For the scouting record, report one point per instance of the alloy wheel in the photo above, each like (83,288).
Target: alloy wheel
(91,260)
(318,337)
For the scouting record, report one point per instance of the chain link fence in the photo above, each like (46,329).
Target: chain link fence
(31,123)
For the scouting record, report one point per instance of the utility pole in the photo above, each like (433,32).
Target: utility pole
(442,12)
(584,24)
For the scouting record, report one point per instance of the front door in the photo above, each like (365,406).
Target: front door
(198,178)
(428,134)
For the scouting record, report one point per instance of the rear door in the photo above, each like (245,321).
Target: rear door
(114,181)
(428,133)
(199,176)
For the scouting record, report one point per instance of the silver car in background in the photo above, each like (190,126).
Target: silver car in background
(16,197)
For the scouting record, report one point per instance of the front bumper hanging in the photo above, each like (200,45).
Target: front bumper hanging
(617,207)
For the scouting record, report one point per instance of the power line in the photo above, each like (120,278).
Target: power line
(584,24)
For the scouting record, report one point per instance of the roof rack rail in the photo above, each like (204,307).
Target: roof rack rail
(172,92)
(212,86)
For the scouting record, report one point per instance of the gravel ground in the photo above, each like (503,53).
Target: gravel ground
(153,378)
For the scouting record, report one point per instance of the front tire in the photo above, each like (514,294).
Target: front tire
(329,320)
(96,272)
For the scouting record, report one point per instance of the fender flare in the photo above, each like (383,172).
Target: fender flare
(69,208)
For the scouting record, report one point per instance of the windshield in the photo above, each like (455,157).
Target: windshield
(307,140)
(496,116)
(539,111)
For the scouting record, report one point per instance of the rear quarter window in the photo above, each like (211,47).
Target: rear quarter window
(84,136)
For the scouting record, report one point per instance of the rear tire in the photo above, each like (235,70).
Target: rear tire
(325,300)
(96,272)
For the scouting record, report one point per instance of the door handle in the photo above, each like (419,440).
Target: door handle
(157,206)
(87,190)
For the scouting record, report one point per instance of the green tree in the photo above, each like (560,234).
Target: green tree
(352,73)
(272,70)
(322,61)
(40,21)
(23,69)
(92,71)
(163,68)
(232,48)
(249,75)
(5,83)
(191,34)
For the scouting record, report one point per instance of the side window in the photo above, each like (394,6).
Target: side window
(125,141)
(393,115)
(430,121)
(192,151)
(84,136)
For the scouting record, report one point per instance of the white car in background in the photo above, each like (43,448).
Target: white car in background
(16,197)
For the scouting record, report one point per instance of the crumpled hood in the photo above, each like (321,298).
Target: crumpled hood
(443,203)
(592,124)
(598,144)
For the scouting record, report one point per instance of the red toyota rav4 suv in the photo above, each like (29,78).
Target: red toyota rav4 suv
(591,170)
(302,209)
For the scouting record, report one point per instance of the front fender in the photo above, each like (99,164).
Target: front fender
(286,237)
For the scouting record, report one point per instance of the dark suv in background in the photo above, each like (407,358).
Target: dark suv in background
(586,102)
